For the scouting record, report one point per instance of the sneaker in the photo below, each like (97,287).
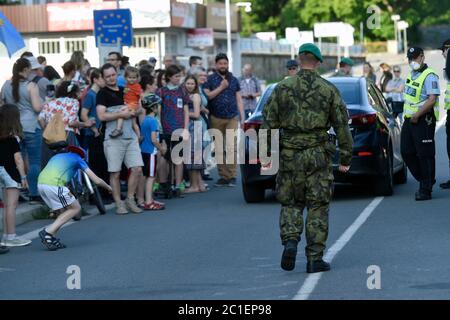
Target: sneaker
(232,182)
(131,204)
(3,250)
(16,242)
(121,209)
(116,133)
(222,183)
(35,200)
(182,186)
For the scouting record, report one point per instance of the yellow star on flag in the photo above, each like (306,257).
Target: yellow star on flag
(2,22)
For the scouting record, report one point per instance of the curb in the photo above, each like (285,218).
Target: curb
(24,213)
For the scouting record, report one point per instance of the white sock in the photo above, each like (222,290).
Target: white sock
(10,236)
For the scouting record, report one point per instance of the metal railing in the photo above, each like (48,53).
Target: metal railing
(250,45)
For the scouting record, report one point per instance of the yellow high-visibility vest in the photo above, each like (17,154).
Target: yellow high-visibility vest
(447,97)
(412,93)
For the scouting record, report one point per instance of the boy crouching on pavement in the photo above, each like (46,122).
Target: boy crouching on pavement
(52,183)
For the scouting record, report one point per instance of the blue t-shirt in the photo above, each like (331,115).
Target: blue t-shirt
(90,102)
(149,125)
(121,82)
(225,104)
(61,169)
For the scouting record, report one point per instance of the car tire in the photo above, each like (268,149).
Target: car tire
(384,185)
(253,193)
(401,177)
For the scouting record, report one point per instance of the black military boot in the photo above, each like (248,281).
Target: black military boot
(445,185)
(289,255)
(423,195)
(317,266)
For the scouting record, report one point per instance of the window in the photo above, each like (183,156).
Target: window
(49,47)
(145,42)
(350,92)
(75,45)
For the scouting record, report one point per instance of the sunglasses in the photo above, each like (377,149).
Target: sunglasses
(292,68)
(396,70)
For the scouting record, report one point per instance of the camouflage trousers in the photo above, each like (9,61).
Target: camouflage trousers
(305,179)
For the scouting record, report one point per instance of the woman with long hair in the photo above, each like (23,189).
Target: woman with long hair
(196,131)
(12,172)
(369,73)
(25,95)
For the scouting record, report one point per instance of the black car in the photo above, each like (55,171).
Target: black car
(375,130)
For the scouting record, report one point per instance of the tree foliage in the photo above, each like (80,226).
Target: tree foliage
(276,15)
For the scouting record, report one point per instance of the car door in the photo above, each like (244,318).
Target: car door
(394,127)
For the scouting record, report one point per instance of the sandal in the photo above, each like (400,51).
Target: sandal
(154,206)
(49,241)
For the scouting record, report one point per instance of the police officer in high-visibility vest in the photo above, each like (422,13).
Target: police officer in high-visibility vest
(445,52)
(421,111)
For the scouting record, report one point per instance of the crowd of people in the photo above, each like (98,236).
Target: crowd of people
(119,122)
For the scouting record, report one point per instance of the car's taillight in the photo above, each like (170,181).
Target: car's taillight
(252,125)
(364,119)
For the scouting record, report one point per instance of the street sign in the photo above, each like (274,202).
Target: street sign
(292,35)
(202,37)
(113,27)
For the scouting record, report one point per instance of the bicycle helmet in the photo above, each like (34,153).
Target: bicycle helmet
(150,101)
(78,150)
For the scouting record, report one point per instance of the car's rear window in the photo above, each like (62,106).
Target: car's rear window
(262,102)
(350,92)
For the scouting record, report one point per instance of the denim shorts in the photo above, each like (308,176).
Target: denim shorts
(6,181)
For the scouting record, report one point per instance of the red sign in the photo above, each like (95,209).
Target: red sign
(74,16)
(202,37)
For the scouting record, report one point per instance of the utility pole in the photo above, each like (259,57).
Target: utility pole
(228,21)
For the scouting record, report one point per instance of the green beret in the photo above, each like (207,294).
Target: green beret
(347,61)
(311,48)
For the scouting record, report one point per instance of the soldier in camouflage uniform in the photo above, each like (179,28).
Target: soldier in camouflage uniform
(303,108)
(345,68)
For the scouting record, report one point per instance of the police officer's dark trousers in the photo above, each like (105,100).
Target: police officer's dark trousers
(418,150)
(447,130)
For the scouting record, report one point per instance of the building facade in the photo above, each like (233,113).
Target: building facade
(166,27)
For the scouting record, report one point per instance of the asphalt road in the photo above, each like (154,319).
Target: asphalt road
(215,246)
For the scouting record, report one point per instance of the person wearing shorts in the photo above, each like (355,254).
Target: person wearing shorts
(52,182)
(150,147)
(123,149)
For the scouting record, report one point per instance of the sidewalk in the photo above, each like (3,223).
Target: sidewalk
(24,213)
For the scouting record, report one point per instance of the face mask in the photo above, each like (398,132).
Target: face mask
(414,65)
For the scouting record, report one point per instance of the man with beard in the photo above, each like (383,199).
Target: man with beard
(227,111)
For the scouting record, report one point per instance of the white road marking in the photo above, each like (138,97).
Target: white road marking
(313,279)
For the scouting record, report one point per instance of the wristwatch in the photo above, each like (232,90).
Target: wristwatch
(23,178)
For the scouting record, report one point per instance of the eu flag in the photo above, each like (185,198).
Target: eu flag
(9,36)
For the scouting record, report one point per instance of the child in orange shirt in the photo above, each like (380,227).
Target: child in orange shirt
(132,98)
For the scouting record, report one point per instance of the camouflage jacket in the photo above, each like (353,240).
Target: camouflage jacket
(304,107)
